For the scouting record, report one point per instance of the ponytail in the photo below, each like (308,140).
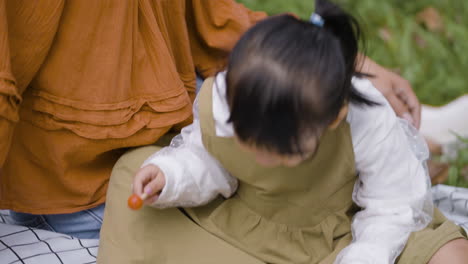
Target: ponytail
(346,28)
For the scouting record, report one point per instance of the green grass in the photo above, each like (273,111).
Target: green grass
(434,62)
(436,71)
(458,172)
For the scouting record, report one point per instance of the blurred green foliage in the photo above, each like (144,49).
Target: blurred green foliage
(433,61)
(458,171)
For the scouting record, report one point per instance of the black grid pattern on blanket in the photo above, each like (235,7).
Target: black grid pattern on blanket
(24,245)
(453,202)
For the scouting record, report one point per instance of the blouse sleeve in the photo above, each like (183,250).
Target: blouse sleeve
(193,176)
(9,95)
(27,29)
(214,27)
(393,189)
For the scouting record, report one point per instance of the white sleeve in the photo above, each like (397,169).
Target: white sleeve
(393,188)
(193,176)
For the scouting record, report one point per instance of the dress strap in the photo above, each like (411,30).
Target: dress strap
(205,108)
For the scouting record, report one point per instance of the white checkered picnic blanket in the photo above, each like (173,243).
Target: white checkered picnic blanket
(32,246)
(453,202)
(26,245)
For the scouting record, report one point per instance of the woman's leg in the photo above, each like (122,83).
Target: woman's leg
(151,235)
(29,220)
(454,252)
(84,224)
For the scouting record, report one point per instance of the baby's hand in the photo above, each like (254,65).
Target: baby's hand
(149,180)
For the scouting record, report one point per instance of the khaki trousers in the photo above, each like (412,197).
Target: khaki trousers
(152,235)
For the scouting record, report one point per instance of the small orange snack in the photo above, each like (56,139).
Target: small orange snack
(135,202)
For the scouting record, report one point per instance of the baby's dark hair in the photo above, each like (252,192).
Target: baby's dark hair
(288,79)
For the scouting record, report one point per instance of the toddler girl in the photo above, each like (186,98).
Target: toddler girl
(294,158)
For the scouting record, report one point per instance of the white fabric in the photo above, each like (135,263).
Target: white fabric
(393,187)
(442,124)
(445,124)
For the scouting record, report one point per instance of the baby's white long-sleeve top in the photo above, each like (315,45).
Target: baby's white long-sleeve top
(392,188)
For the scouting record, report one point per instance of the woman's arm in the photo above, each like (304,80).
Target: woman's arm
(396,90)
(214,27)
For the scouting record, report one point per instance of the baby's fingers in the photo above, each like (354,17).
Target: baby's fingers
(143,177)
(154,188)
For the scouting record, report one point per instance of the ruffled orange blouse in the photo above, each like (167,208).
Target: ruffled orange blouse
(80,81)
